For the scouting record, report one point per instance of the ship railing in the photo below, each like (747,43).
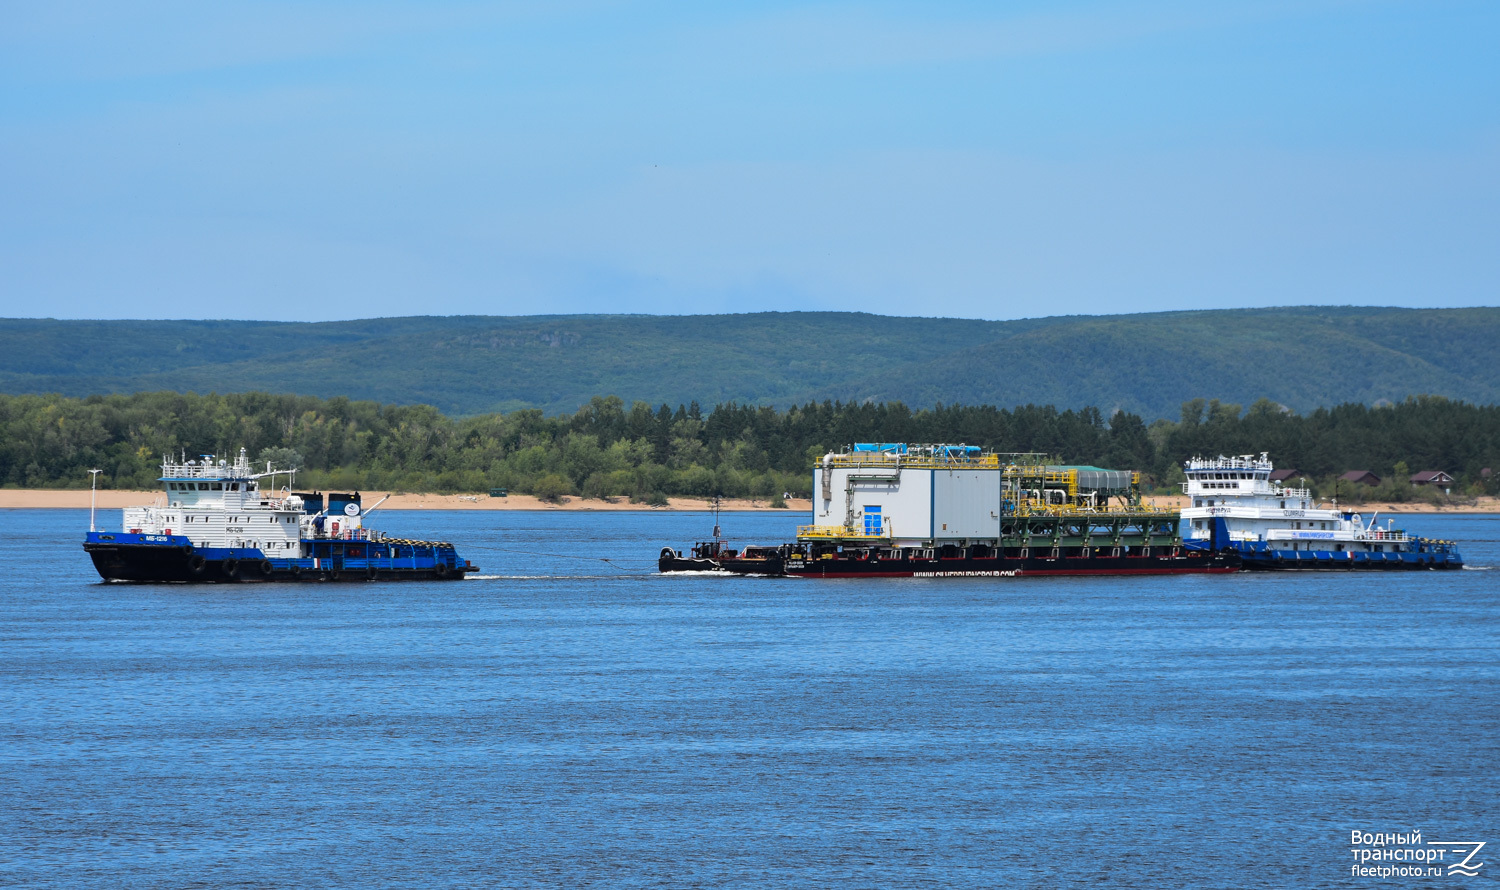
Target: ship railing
(344,534)
(866,459)
(836,532)
(1253,488)
(1239,462)
(1024,509)
(205,471)
(912,461)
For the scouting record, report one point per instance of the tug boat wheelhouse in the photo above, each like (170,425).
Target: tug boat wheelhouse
(218,524)
(1272,527)
(896,510)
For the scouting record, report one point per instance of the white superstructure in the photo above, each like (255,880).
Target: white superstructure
(924,495)
(1256,510)
(218,504)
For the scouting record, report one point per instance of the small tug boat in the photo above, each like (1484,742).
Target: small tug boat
(901,511)
(219,525)
(717,556)
(1276,528)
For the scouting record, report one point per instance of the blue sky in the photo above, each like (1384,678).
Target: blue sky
(327,160)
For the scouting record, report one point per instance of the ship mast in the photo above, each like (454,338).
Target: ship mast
(93,496)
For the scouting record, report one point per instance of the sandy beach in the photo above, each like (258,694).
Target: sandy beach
(30,498)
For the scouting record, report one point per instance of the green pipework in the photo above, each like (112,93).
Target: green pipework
(1120,530)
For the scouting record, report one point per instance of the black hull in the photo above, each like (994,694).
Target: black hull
(1185,562)
(180,565)
(1260,564)
(671,564)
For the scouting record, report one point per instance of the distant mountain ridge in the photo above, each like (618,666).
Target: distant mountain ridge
(1300,357)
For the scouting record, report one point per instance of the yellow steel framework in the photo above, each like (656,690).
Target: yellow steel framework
(836,533)
(1021,474)
(930,461)
(1031,469)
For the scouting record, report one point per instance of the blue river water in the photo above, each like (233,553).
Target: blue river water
(571,719)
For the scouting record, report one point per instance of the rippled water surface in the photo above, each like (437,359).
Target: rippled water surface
(564,720)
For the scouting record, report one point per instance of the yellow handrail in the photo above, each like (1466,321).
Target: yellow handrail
(921,461)
(837,532)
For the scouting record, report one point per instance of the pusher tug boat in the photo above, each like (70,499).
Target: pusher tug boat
(896,510)
(1277,528)
(219,525)
(717,556)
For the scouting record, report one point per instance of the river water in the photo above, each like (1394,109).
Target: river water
(571,719)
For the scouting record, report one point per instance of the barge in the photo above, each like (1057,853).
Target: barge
(901,511)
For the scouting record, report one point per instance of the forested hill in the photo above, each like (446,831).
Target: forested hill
(1301,357)
(610,449)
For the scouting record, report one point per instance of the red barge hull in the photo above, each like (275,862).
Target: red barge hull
(786,562)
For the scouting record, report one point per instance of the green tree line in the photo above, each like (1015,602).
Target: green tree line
(610,449)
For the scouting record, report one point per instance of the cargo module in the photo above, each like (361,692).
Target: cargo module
(897,510)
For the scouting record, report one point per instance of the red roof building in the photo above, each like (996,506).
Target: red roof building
(1361,477)
(1431,477)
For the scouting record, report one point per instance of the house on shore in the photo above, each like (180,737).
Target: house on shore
(1285,476)
(1431,477)
(1435,478)
(1360,477)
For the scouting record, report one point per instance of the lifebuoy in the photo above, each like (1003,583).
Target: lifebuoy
(229,567)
